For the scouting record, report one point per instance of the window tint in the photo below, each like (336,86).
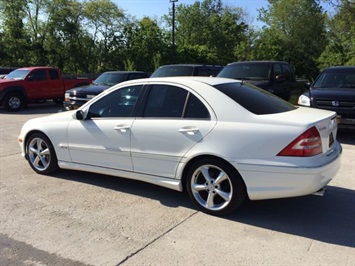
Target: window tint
(336,79)
(254,99)
(53,74)
(119,103)
(165,101)
(196,109)
(173,71)
(276,70)
(287,71)
(137,76)
(40,74)
(251,71)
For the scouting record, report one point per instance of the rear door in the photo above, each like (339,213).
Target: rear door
(173,120)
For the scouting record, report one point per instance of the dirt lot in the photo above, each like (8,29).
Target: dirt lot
(77,218)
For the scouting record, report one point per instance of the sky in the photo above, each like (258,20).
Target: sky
(158,8)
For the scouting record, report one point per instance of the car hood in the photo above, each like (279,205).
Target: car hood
(10,81)
(333,93)
(90,89)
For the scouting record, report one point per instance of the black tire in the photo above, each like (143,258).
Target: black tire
(13,101)
(215,187)
(41,154)
(58,101)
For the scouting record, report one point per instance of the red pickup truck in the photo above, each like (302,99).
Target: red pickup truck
(31,84)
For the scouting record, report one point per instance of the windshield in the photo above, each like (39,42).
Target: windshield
(18,74)
(110,79)
(336,79)
(247,71)
(173,71)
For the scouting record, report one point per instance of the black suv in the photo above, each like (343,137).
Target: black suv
(334,90)
(76,97)
(276,77)
(187,70)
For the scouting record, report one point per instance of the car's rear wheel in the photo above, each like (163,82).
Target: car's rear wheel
(40,154)
(215,187)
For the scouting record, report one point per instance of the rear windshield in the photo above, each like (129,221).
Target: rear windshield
(337,78)
(173,71)
(254,99)
(248,71)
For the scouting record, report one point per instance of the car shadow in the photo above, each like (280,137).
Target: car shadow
(329,219)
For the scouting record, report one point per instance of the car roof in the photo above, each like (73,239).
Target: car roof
(258,62)
(124,72)
(191,65)
(212,81)
(345,68)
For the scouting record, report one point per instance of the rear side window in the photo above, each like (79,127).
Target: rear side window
(53,74)
(254,99)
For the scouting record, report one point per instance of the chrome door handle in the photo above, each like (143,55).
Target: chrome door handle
(189,130)
(122,128)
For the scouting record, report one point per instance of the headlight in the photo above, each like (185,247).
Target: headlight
(66,97)
(304,100)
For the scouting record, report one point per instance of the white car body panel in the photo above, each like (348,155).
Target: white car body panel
(154,151)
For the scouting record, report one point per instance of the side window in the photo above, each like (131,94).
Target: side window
(196,109)
(165,101)
(119,103)
(276,70)
(287,71)
(53,74)
(39,74)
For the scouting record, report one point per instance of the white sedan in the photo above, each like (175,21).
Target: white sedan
(221,140)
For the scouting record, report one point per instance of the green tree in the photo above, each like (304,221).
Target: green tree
(145,46)
(208,32)
(105,23)
(14,37)
(294,32)
(341,34)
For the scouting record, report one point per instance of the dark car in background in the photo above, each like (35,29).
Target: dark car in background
(76,97)
(5,70)
(276,77)
(334,89)
(187,70)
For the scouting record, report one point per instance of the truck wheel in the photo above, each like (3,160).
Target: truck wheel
(13,101)
(58,101)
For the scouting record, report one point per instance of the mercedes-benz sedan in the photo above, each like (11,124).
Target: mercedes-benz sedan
(221,140)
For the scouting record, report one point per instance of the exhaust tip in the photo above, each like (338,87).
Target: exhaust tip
(319,192)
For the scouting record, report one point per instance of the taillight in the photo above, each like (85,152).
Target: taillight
(307,144)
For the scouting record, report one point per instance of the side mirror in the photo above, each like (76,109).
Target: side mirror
(31,78)
(79,115)
(307,85)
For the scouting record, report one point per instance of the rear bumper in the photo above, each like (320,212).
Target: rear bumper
(270,182)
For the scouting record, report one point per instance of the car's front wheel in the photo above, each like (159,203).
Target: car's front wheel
(215,187)
(40,154)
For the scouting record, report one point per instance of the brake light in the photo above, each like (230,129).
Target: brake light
(307,144)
